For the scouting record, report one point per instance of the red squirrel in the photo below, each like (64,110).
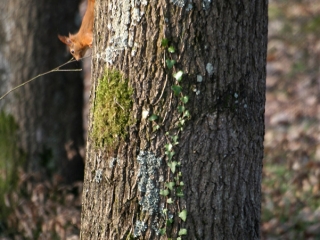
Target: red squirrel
(81,41)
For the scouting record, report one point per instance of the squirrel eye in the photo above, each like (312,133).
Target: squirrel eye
(72,51)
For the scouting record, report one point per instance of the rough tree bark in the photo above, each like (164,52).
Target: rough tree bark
(47,110)
(220,46)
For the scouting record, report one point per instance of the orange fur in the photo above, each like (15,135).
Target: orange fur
(81,41)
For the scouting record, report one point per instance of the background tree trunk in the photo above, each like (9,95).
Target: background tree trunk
(221,48)
(48,110)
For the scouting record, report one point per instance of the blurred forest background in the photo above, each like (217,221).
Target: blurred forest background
(291,172)
(42,205)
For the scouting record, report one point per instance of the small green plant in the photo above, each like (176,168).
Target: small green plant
(173,189)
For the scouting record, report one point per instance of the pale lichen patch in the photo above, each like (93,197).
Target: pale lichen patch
(206,4)
(98,176)
(148,171)
(139,228)
(179,3)
(126,14)
(189,7)
(112,162)
(210,69)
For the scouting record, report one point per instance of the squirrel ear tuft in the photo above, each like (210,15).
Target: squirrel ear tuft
(64,39)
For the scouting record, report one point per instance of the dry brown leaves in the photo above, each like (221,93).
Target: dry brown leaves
(291,175)
(43,209)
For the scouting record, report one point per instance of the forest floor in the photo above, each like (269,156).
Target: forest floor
(291,175)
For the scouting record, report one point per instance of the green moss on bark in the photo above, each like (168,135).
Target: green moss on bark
(112,109)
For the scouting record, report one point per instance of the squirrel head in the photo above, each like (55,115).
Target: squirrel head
(77,49)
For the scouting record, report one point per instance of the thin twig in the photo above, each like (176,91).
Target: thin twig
(118,103)
(57,69)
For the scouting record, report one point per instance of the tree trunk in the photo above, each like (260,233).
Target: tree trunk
(184,157)
(47,110)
